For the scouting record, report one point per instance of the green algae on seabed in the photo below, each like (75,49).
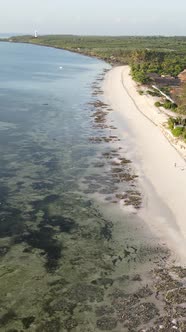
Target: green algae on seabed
(63,257)
(88,271)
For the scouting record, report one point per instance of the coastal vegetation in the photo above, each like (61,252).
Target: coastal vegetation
(168,105)
(177,127)
(119,49)
(145,62)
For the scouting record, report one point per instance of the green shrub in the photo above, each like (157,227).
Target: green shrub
(184,134)
(167,104)
(177,132)
(154,93)
(174,107)
(166,89)
(181,109)
(140,76)
(171,122)
(157,104)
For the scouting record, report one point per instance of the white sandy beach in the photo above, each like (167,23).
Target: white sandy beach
(163,184)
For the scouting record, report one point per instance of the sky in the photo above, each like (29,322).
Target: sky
(94,17)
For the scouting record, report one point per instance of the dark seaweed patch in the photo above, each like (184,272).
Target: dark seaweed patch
(7,173)
(58,282)
(3,251)
(27,250)
(35,152)
(20,183)
(70,324)
(66,225)
(53,255)
(7,317)
(3,195)
(85,292)
(43,239)
(61,305)
(105,282)
(106,323)
(52,164)
(104,310)
(42,204)
(11,222)
(27,321)
(40,185)
(106,231)
(52,325)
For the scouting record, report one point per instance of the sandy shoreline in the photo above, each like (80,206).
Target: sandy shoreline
(163,184)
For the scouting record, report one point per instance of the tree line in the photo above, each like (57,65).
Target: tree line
(144,62)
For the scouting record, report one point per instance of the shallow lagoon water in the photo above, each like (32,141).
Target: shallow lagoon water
(66,254)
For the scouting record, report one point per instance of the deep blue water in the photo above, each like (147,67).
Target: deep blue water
(31,77)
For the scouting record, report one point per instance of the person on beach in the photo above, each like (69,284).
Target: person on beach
(174,164)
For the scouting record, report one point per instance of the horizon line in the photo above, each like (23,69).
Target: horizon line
(12,34)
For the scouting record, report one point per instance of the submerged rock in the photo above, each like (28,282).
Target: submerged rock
(143,313)
(105,282)
(121,301)
(166,324)
(49,326)
(84,292)
(165,281)
(177,295)
(70,323)
(61,305)
(136,277)
(180,271)
(180,312)
(104,310)
(144,292)
(106,323)
(183,326)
